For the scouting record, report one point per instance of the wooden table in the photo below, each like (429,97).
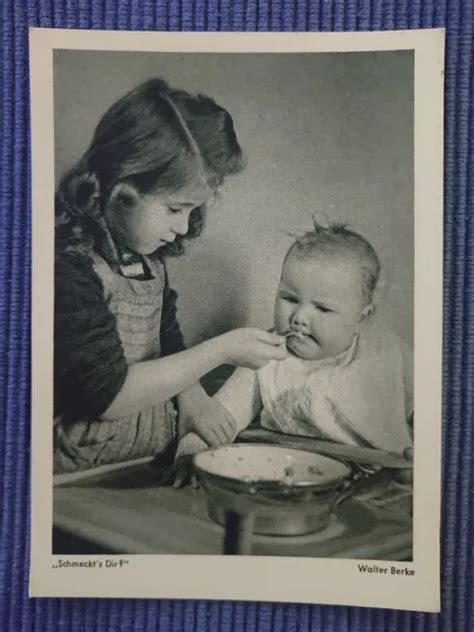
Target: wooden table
(125,512)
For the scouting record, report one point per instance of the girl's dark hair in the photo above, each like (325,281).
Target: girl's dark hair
(157,139)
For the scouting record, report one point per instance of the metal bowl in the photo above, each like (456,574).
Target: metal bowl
(286,491)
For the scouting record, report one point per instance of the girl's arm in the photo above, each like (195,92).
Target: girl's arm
(92,378)
(150,382)
(89,363)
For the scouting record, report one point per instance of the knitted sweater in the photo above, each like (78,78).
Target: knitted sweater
(104,322)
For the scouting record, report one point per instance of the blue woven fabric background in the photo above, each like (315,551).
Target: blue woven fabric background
(17,612)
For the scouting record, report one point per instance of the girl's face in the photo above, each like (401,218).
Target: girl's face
(320,302)
(143,223)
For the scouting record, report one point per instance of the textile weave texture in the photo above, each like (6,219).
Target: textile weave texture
(17,612)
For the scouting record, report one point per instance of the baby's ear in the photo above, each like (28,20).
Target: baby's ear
(124,194)
(367,312)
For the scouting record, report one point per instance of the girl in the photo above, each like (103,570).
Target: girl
(157,157)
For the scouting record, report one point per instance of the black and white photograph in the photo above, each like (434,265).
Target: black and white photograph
(234,250)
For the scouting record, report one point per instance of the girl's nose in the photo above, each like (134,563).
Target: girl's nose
(181,226)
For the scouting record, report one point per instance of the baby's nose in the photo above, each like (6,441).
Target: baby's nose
(300,317)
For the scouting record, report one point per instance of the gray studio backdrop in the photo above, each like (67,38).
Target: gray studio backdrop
(329,135)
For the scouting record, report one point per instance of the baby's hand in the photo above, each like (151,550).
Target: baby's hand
(207,418)
(405,476)
(253,348)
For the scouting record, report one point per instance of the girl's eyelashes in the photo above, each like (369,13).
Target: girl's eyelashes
(174,209)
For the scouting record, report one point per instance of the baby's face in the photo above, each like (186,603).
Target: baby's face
(320,301)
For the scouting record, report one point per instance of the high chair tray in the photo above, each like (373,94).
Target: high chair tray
(125,512)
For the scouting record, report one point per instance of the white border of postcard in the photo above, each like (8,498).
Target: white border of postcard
(329,581)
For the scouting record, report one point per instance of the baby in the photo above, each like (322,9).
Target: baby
(345,378)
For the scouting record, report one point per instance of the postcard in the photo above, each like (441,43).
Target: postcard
(237,316)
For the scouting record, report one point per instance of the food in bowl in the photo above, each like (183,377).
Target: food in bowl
(288,491)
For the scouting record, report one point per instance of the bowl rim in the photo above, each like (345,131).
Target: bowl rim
(269,485)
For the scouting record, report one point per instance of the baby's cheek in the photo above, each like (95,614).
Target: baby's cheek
(281,317)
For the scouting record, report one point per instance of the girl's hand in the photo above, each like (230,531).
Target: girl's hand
(252,348)
(179,474)
(206,417)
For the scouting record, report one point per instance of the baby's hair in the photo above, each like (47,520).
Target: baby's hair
(157,139)
(337,239)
